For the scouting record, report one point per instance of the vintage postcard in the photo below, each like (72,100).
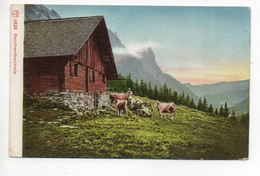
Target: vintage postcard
(137,82)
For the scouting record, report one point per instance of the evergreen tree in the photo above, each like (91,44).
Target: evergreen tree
(160,94)
(216,111)
(210,109)
(129,82)
(182,98)
(118,85)
(205,105)
(175,97)
(187,101)
(164,93)
(136,88)
(141,88)
(155,93)
(169,95)
(199,106)
(233,115)
(150,90)
(226,111)
(123,88)
(192,104)
(245,119)
(221,111)
(145,90)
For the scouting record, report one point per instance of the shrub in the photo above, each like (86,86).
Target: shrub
(29,100)
(41,103)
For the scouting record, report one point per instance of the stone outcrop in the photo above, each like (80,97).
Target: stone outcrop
(78,101)
(140,107)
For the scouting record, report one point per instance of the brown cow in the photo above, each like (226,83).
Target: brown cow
(120,100)
(119,96)
(121,105)
(166,108)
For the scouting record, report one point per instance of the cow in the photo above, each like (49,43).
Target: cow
(165,108)
(120,100)
(121,105)
(119,96)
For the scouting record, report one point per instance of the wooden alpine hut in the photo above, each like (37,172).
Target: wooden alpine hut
(68,54)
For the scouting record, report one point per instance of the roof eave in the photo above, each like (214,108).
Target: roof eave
(61,56)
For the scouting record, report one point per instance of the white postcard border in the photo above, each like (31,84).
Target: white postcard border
(16,80)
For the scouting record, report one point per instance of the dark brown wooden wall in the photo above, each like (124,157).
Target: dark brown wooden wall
(75,83)
(41,74)
(98,85)
(88,60)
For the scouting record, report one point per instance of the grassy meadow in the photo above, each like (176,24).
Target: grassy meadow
(56,131)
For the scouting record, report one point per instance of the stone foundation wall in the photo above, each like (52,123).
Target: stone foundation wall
(80,101)
(103,101)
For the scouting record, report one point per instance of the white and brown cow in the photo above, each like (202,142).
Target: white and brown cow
(165,108)
(121,105)
(120,101)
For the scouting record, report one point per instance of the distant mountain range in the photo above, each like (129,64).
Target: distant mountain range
(241,107)
(209,89)
(236,94)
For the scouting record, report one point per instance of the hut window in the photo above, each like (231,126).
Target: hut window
(103,79)
(71,74)
(75,69)
(89,76)
(93,76)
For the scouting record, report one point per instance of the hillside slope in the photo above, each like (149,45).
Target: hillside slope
(191,134)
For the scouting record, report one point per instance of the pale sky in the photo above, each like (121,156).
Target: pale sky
(197,45)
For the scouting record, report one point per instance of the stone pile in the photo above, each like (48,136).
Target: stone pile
(140,107)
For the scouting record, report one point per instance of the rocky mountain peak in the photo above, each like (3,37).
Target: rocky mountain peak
(114,40)
(147,54)
(39,12)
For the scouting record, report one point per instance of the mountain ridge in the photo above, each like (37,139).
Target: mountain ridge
(208,89)
(235,93)
(222,82)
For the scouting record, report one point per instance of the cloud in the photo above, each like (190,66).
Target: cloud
(135,49)
(118,50)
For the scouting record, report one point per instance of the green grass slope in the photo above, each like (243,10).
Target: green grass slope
(191,134)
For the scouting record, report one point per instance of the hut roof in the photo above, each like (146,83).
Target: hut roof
(64,37)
